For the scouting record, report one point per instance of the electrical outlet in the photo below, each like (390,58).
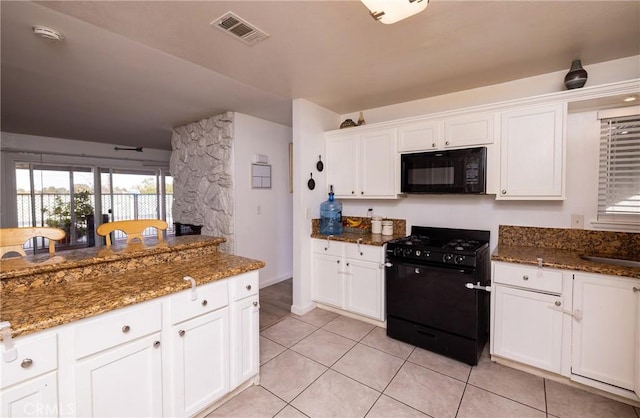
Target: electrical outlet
(307,213)
(577,221)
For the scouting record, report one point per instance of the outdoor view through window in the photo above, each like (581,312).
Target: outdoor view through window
(67,198)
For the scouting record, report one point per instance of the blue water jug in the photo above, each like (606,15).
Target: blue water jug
(331,216)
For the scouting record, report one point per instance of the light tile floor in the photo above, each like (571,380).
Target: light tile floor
(325,365)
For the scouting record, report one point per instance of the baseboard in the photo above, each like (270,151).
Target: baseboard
(301,310)
(274,280)
(382,324)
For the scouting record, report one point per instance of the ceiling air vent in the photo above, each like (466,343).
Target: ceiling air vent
(239,28)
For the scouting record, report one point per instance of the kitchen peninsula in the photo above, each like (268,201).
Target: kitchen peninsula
(156,328)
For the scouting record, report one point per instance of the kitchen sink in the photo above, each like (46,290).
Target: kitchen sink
(612,261)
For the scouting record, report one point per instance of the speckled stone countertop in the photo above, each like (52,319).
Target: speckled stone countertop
(561,248)
(364,237)
(31,303)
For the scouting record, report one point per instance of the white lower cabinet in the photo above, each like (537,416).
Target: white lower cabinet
(123,381)
(581,325)
(526,330)
(200,361)
(349,277)
(28,384)
(170,356)
(605,339)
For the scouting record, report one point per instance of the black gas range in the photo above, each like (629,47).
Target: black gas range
(437,283)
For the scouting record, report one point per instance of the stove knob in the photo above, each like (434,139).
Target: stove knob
(407,252)
(447,258)
(418,252)
(397,251)
(459,259)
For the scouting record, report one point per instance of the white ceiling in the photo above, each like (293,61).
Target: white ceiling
(128,72)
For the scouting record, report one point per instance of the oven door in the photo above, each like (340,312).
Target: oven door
(433,296)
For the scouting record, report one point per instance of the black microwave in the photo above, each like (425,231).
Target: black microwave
(459,171)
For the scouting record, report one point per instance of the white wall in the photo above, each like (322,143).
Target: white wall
(469,212)
(262,222)
(309,123)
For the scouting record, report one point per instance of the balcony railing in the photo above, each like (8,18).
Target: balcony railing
(125,206)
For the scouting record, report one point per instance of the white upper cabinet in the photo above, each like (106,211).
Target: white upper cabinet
(532,153)
(469,130)
(362,164)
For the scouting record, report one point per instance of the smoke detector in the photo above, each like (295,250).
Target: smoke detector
(48,33)
(239,28)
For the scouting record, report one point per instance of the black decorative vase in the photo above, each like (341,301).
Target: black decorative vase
(576,77)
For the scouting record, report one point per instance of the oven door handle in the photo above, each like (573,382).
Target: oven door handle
(477,287)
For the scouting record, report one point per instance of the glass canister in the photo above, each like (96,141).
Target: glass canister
(387,227)
(376,224)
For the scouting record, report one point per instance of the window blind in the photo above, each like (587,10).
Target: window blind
(619,185)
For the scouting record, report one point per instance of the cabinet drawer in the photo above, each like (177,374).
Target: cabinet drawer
(246,285)
(364,252)
(116,328)
(327,247)
(36,356)
(210,297)
(528,277)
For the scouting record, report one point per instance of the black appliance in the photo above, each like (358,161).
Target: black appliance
(437,290)
(460,171)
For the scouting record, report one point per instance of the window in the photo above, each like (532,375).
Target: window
(619,185)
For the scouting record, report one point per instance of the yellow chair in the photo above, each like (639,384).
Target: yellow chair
(133,228)
(12,239)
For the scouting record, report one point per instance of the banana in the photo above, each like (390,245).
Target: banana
(354,223)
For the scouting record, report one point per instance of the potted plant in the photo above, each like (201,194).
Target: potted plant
(60,215)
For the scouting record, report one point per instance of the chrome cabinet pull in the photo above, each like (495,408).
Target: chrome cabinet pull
(248,287)
(156,344)
(558,303)
(446,143)
(181,333)
(26,363)
(504,192)
(204,302)
(126,329)
(525,277)
(255,304)
(636,289)
(433,145)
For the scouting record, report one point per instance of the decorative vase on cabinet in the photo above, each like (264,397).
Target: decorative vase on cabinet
(576,77)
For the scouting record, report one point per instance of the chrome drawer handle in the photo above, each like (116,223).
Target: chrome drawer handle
(181,333)
(525,277)
(255,304)
(248,287)
(26,363)
(558,303)
(126,329)
(636,289)
(504,192)
(204,302)
(156,344)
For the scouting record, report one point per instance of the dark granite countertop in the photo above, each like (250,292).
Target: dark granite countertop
(561,248)
(362,235)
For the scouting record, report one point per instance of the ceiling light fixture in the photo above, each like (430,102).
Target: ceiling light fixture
(48,33)
(630,98)
(391,11)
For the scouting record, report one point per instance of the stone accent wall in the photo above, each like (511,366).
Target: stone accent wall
(202,170)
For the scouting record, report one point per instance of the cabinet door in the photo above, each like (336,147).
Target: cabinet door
(201,361)
(124,381)
(36,397)
(364,285)
(377,163)
(532,153)
(327,283)
(469,130)
(341,164)
(422,136)
(526,329)
(604,339)
(246,329)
